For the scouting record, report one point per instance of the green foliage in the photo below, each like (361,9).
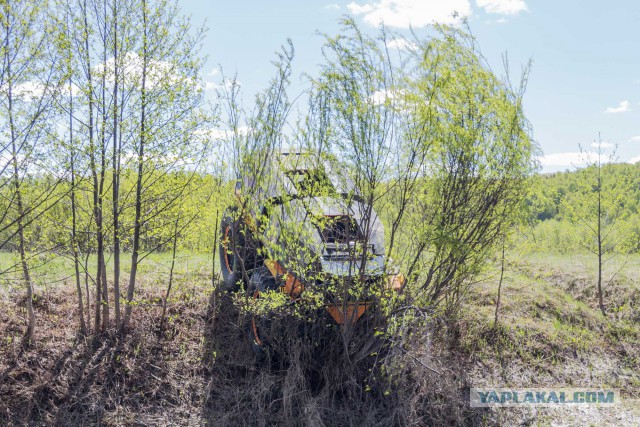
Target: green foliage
(202,201)
(478,164)
(560,199)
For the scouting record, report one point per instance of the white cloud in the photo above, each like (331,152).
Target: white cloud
(27,91)
(357,9)
(503,7)
(381,97)
(332,6)
(158,72)
(32,91)
(227,84)
(621,108)
(386,97)
(603,145)
(633,160)
(75,89)
(401,44)
(575,158)
(565,159)
(214,72)
(218,134)
(497,21)
(415,13)
(634,138)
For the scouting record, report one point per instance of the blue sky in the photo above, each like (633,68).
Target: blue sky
(586,55)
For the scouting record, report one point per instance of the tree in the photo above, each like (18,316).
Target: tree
(170,113)
(30,81)
(439,143)
(133,136)
(71,156)
(359,121)
(87,79)
(253,139)
(479,159)
(596,207)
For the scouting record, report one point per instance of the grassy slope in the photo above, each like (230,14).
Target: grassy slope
(551,333)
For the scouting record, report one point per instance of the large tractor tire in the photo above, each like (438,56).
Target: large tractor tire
(237,250)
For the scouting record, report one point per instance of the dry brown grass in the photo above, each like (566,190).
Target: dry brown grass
(200,371)
(149,378)
(309,379)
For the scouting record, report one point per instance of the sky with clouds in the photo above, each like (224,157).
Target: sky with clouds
(585,79)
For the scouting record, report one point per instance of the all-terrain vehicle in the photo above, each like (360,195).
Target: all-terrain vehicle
(298,224)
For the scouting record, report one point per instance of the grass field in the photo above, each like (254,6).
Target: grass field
(51,270)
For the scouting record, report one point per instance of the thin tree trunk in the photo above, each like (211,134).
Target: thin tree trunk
(600,296)
(215,247)
(103,168)
(74,236)
(31,322)
(105,287)
(116,175)
(138,201)
(94,175)
(76,261)
(22,247)
(96,217)
(99,273)
(173,264)
(86,286)
(495,319)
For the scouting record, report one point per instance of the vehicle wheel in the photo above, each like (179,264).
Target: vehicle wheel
(261,281)
(234,252)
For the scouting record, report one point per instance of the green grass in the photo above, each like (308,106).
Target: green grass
(624,267)
(50,270)
(550,323)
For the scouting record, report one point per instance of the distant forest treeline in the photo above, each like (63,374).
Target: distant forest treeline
(202,199)
(561,203)
(552,215)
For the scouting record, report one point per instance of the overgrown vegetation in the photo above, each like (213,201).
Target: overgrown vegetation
(113,185)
